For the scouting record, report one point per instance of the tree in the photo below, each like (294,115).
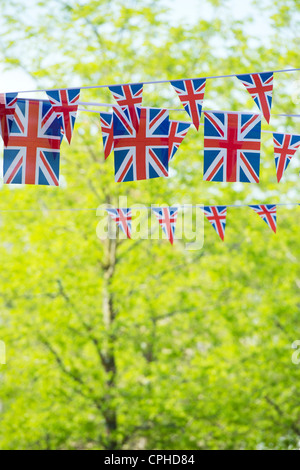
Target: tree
(136,344)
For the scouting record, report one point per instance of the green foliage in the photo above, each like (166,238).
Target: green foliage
(137,344)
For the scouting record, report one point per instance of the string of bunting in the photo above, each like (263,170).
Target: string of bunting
(167,216)
(145,140)
(215,214)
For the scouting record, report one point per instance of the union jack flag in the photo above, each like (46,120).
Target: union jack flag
(141,154)
(285,146)
(178,131)
(231,147)
(32,153)
(167,217)
(129,97)
(216,215)
(7,110)
(260,87)
(268,213)
(191,94)
(122,217)
(64,106)
(106,120)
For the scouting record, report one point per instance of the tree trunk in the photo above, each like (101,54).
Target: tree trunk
(109,359)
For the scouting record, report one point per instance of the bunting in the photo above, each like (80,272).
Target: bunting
(141,154)
(260,87)
(106,121)
(7,110)
(191,94)
(129,98)
(122,217)
(285,146)
(167,217)
(268,213)
(33,150)
(178,131)
(232,147)
(64,106)
(144,140)
(216,215)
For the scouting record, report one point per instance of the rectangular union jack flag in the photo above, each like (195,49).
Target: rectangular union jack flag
(129,98)
(232,147)
(32,153)
(216,215)
(178,131)
(191,94)
(64,105)
(260,87)
(268,214)
(122,217)
(167,217)
(141,154)
(285,146)
(7,110)
(106,120)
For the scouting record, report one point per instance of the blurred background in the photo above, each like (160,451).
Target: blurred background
(119,344)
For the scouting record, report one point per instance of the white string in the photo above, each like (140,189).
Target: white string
(153,81)
(184,206)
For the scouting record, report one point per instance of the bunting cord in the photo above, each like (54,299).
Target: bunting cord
(154,81)
(184,206)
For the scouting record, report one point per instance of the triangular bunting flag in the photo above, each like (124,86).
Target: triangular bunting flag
(129,97)
(167,217)
(231,146)
(191,94)
(178,131)
(216,215)
(122,217)
(106,121)
(260,87)
(7,110)
(33,150)
(268,213)
(64,105)
(285,146)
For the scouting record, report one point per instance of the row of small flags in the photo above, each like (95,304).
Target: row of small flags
(144,140)
(232,143)
(216,215)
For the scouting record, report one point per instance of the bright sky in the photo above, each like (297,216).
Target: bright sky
(182,11)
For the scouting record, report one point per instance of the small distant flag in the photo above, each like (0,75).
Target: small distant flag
(122,217)
(167,217)
(268,213)
(216,215)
